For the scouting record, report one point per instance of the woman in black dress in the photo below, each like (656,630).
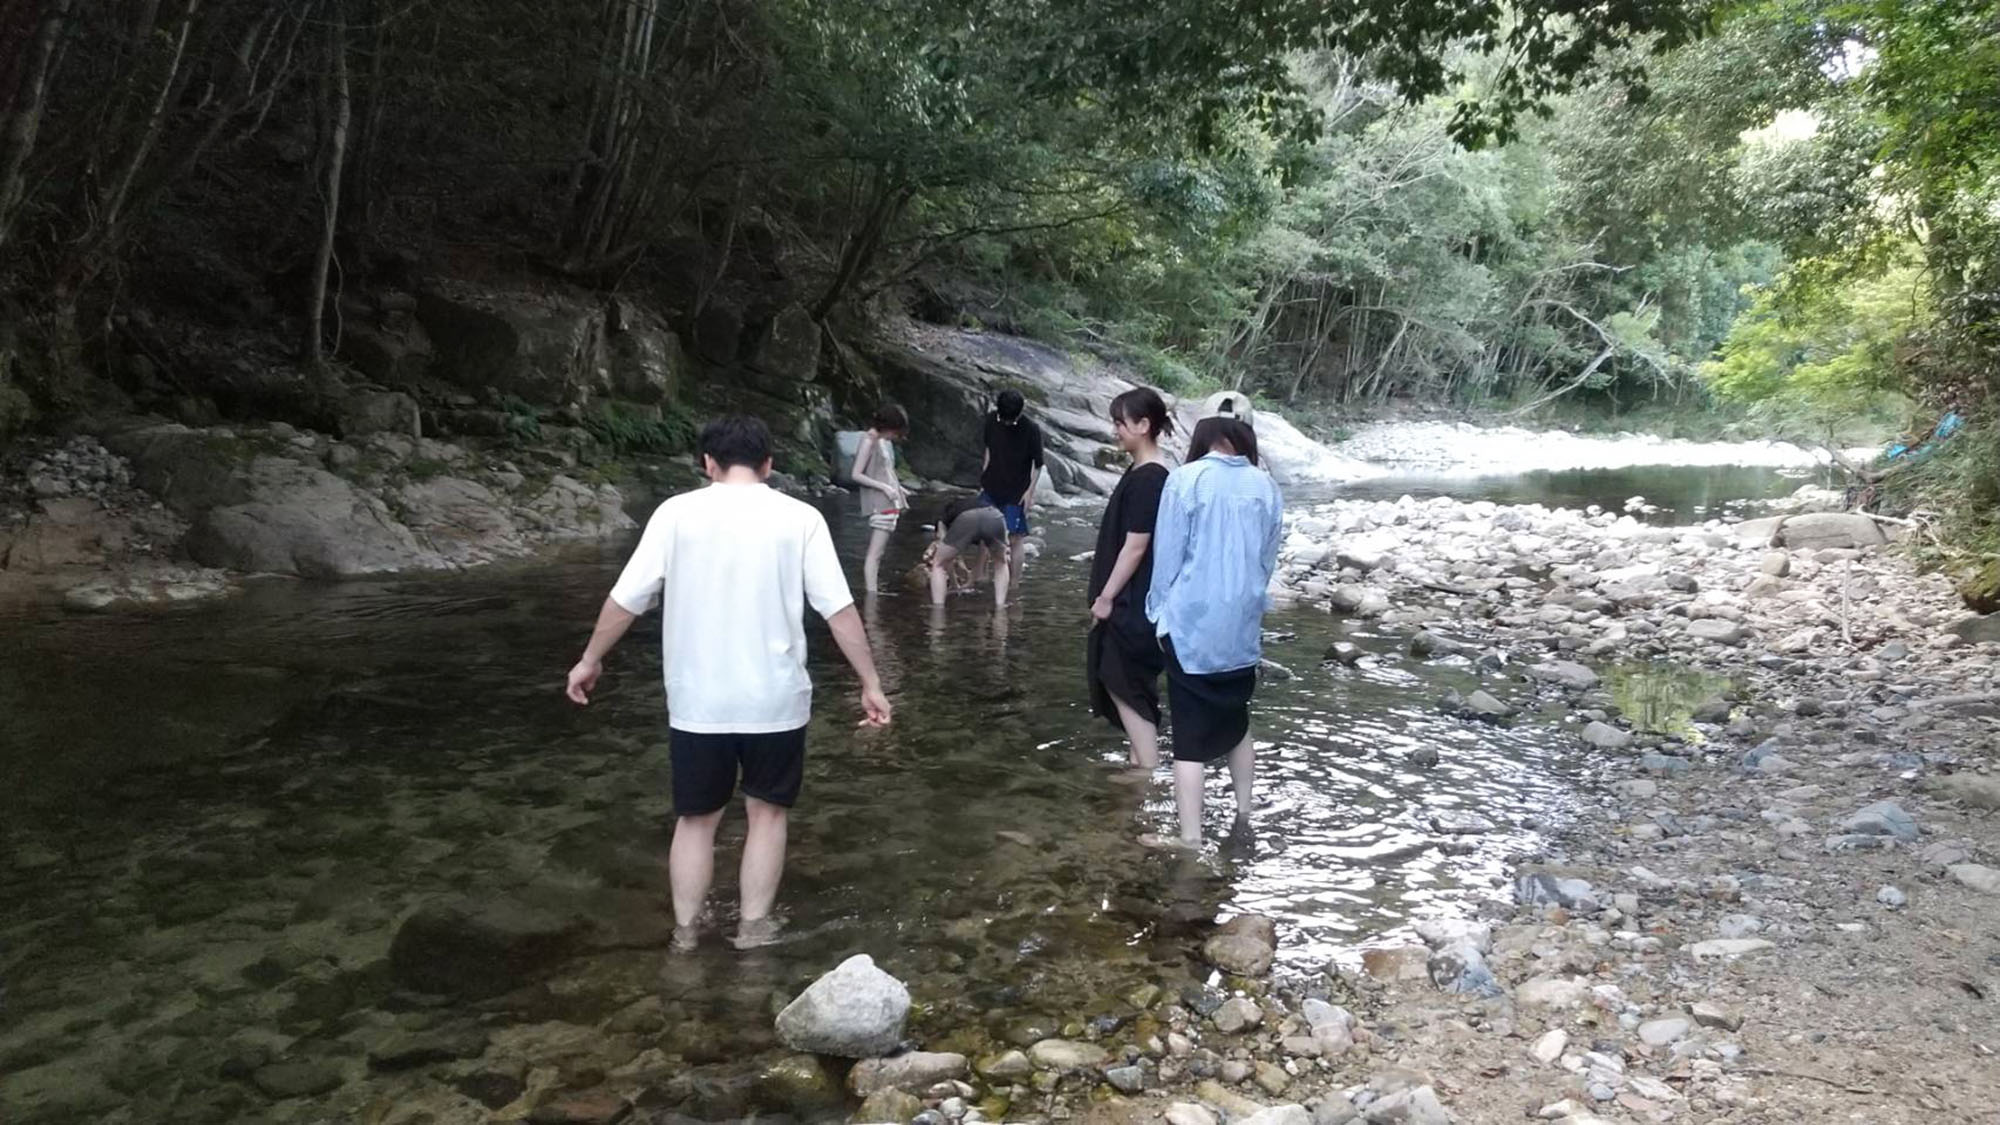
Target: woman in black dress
(1124,659)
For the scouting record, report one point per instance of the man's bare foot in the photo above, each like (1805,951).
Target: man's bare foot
(1161,842)
(685,939)
(756,933)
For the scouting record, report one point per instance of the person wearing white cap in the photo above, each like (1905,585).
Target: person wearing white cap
(1215,546)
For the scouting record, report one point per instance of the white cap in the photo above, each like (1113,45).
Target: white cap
(1228,404)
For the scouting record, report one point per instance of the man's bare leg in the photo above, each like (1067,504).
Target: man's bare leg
(763,868)
(1000,585)
(871,566)
(1144,737)
(1242,770)
(690,869)
(1017,556)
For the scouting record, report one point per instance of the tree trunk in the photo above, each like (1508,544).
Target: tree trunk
(340,108)
(860,248)
(26,91)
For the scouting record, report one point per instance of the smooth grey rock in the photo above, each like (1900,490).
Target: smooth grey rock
(1237,1016)
(1418,1106)
(1553,992)
(1066,1054)
(282,1080)
(914,1071)
(475,949)
(1883,818)
(1710,1014)
(1245,945)
(1279,1115)
(1892,897)
(1188,1113)
(1665,1032)
(1126,1079)
(855,1011)
(1718,631)
(1728,947)
(1816,531)
(545,348)
(1975,791)
(1604,736)
(1978,877)
(1977,630)
(1565,673)
(1664,765)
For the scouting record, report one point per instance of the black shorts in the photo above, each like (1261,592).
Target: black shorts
(706,766)
(1210,711)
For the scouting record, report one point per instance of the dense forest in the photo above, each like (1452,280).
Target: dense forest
(1782,214)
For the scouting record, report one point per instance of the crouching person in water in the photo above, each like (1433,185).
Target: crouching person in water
(1122,658)
(732,567)
(963,525)
(1215,546)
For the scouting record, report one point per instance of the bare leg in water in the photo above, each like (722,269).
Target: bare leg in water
(763,867)
(690,869)
(1188,780)
(1242,771)
(1144,737)
(871,565)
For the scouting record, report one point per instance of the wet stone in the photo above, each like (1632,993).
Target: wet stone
(1237,1016)
(1245,945)
(1883,818)
(1126,1079)
(406,1049)
(296,1079)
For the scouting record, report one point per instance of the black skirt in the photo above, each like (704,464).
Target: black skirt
(1123,662)
(1211,712)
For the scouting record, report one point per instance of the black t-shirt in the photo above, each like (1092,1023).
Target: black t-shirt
(1134,507)
(1014,455)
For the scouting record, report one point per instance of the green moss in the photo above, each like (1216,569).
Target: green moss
(623,429)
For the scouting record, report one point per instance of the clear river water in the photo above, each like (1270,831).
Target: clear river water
(215,818)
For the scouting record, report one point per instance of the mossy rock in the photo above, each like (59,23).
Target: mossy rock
(1980,586)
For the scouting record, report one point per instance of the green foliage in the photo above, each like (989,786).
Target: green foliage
(1823,357)
(625,430)
(523,423)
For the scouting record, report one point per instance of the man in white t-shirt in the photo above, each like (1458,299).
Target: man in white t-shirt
(732,567)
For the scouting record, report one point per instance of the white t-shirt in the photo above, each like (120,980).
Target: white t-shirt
(732,567)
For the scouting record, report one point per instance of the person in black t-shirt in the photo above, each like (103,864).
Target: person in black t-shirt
(1123,659)
(1012,468)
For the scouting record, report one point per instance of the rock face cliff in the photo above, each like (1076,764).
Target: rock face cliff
(478,422)
(947,379)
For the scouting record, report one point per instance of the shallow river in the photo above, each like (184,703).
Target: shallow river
(214,820)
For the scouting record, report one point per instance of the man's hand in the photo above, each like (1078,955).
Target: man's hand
(1101,608)
(583,679)
(874,707)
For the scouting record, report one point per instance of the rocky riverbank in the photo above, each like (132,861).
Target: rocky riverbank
(158,512)
(1781,906)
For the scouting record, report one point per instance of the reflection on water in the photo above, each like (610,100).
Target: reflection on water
(217,819)
(1662,698)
